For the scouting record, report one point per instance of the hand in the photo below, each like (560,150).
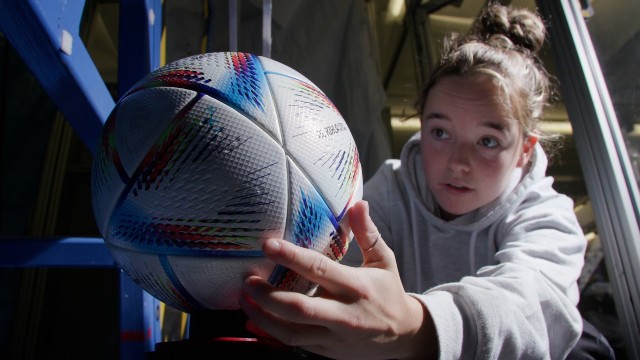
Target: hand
(357,312)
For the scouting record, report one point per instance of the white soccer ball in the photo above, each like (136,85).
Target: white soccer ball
(208,155)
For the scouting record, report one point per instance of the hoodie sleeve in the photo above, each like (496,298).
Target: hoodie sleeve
(524,306)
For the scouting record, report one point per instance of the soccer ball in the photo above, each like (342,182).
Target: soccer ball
(206,156)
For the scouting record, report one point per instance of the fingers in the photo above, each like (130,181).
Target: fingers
(268,325)
(320,269)
(311,265)
(374,249)
(353,303)
(287,316)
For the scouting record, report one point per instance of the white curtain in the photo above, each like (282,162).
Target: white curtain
(327,41)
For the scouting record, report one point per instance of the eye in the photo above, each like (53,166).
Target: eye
(489,142)
(440,134)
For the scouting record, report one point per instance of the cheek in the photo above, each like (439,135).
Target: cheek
(434,165)
(426,156)
(431,155)
(495,173)
(496,160)
(433,147)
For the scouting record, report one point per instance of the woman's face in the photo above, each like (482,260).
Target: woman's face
(470,144)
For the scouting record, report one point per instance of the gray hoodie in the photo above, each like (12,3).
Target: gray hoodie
(500,282)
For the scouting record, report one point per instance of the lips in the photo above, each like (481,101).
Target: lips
(457,189)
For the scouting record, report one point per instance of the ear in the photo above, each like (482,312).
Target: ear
(528,146)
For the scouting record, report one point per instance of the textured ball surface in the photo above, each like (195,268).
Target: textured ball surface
(208,155)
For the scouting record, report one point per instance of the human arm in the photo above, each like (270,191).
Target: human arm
(359,313)
(523,303)
(518,300)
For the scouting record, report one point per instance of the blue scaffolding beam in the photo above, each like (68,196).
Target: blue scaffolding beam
(45,33)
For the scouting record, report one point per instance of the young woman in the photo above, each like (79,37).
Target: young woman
(467,251)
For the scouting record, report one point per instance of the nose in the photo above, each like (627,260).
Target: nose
(460,158)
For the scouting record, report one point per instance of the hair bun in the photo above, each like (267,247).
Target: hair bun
(522,27)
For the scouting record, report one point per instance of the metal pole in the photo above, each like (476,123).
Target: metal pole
(233,25)
(266,28)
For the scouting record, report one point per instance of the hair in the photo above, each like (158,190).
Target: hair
(503,45)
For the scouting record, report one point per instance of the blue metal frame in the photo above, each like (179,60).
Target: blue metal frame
(46,35)
(48,252)
(139,38)
(140,33)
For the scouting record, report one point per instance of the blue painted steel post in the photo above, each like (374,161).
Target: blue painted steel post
(139,41)
(132,331)
(45,34)
(138,54)
(30,252)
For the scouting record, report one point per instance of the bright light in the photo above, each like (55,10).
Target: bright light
(549,127)
(412,123)
(395,9)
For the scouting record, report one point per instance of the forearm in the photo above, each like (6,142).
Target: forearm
(423,343)
(473,311)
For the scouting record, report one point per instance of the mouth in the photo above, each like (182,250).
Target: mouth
(458,189)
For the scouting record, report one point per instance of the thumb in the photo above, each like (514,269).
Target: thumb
(366,234)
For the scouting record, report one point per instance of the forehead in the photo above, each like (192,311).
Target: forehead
(467,94)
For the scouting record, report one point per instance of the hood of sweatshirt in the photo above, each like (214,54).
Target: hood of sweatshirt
(414,179)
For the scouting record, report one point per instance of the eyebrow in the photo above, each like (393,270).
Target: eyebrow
(494,125)
(439,116)
(435,115)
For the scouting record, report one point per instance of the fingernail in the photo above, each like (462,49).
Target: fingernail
(271,246)
(366,205)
